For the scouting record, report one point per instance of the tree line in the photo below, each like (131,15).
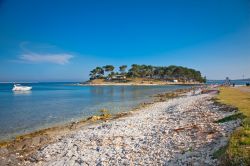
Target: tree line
(148,71)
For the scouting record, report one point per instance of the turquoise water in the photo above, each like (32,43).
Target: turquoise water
(50,104)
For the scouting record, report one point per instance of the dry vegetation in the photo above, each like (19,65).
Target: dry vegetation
(238,150)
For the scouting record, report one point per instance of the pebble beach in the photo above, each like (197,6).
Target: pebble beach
(180,131)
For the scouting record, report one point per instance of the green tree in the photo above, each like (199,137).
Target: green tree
(134,71)
(109,69)
(98,72)
(160,72)
(150,71)
(93,74)
(123,69)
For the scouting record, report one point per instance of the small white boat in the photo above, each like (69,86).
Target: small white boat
(18,87)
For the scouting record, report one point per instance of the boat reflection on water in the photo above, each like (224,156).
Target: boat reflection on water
(22,93)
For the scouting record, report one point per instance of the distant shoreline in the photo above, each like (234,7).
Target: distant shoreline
(134,84)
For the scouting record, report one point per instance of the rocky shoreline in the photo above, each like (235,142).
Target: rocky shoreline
(180,131)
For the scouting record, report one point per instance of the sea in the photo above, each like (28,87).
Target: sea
(52,104)
(236,82)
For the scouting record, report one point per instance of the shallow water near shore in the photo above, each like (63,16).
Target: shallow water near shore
(50,104)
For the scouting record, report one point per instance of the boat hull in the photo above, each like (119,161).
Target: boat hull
(22,88)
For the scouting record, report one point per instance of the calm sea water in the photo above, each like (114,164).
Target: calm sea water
(236,82)
(50,104)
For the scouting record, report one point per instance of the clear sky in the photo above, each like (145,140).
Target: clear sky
(62,40)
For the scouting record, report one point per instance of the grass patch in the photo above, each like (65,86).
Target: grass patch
(220,152)
(238,150)
(236,98)
(232,117)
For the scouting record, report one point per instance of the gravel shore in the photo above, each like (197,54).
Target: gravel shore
(180,131)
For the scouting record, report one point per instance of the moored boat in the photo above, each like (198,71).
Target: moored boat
(18,87)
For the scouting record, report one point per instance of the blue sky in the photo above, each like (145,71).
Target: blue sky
(62,40)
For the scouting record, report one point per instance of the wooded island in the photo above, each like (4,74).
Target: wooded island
(145,73)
